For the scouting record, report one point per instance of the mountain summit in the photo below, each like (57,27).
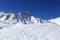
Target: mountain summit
(9,18)
(22,17)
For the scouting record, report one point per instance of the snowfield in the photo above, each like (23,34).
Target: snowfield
(56,20)
(28,28)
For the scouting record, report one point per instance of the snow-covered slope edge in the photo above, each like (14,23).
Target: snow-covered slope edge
(56,20)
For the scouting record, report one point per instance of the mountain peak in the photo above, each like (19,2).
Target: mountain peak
(25,13)
(21,17)
(24,16)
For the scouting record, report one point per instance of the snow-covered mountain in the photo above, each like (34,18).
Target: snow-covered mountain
(8,18)
(24,26)
(22,17)
(56,20)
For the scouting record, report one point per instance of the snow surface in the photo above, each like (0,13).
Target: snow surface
(29,28)
(56,20)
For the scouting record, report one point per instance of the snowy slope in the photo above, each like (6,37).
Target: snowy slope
(24,26)
(56,20)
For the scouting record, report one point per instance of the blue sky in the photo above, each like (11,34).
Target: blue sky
(45,9)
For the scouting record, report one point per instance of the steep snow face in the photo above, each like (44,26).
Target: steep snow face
(6,17)
(56,20)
